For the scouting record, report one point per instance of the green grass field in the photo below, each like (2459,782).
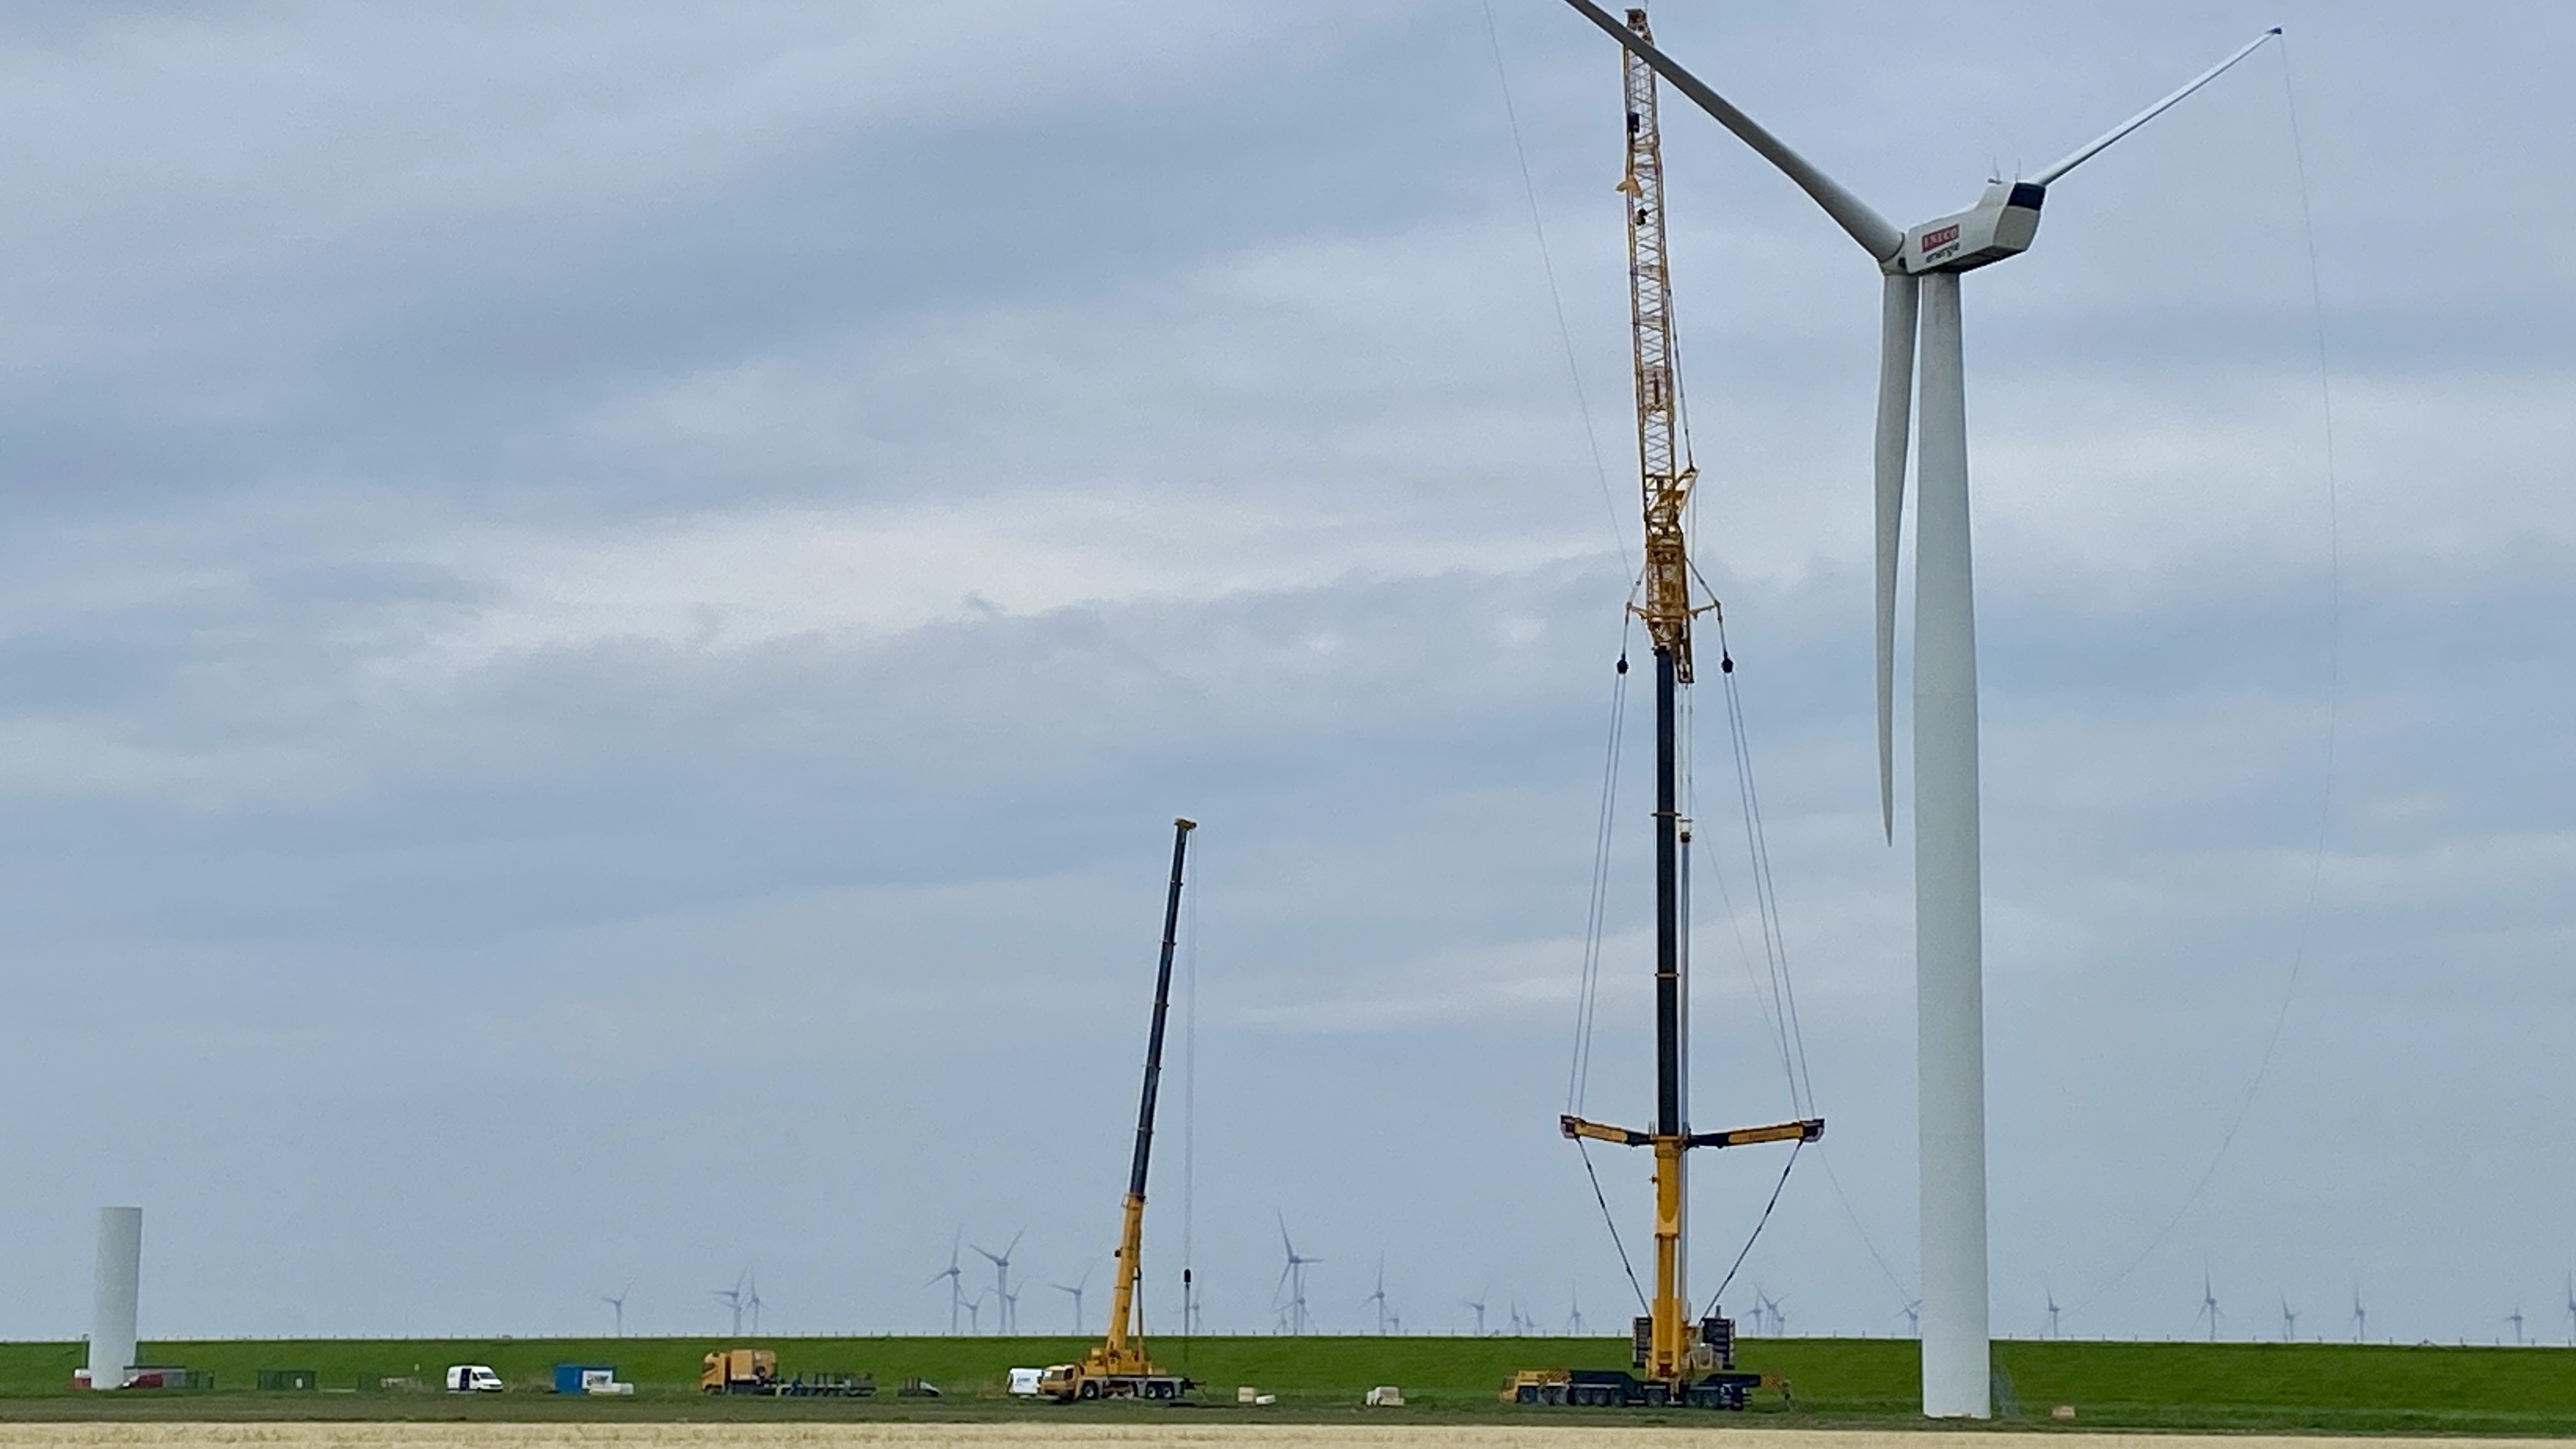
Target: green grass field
(2320,1388)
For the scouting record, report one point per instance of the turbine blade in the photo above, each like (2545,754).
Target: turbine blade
(1900,305)
(1876,235)
(2086,153)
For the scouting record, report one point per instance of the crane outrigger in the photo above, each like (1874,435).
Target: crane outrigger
(1118,1367)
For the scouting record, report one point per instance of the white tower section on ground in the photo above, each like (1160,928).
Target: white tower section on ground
(119,1290)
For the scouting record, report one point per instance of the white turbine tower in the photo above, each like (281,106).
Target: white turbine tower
(1921,295)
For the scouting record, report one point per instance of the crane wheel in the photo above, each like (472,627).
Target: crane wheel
(1089,1390)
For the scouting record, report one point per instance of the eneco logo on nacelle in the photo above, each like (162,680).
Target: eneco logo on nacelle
(1941,238)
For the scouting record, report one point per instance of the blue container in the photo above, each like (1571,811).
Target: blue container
(568,1375)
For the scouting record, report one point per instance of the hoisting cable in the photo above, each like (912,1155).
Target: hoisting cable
(1547,261)
(2334,698)
(1596,923)
(1578,1077)
(1756,1235)
(1606,1216)
(1781,1010)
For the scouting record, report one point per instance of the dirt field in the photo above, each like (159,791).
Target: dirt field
(1104,1436)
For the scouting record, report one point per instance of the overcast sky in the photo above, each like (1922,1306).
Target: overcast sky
(606,608)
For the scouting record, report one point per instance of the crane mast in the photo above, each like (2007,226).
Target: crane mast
(1681,1361)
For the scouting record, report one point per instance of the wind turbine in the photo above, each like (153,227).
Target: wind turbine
(2052,1313)
(956,1286)
(2361,1318)
(2515,1318)
(2208,1307)
(751,1300)
(1002,1278)
(1075,1288)
(617,1301)
(1293,1279)
(1912,1313)
(1574,1314)
(1379,1297)
(1920,293)
(2571,1310)
(975,1313)
(1477,1303)
(1766,1309)
(2289,1321)
(732,1298)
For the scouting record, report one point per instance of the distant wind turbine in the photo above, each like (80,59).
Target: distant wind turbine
(751,1300)
(1075,1289)
(1379,1297)
(1766,1310)
(617,1301)
(731,1298)
(2360,1318)
(2289,1321)
(1002,1279)
(1574,1313)
(1292,1280)
(2208,1307)
(1912,1313)
(2515,1318)
(2052,1313)
(1478,1304)
(975,1312)
(2571,1310)
(955,1277)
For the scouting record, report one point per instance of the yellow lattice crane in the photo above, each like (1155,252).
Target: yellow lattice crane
(1677,1360)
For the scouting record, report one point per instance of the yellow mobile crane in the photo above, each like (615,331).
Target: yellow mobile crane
(1117,1368)
(1676,1361)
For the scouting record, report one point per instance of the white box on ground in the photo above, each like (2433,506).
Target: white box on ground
(1385,1396)
(1024,1381)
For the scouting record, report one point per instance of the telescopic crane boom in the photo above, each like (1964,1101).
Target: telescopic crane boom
(1118,1366)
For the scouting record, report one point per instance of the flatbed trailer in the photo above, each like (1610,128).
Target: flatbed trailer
(1618,1389)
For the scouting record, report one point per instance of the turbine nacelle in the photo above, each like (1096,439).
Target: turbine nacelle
(2000,225)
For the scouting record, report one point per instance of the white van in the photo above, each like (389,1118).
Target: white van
(472,1378)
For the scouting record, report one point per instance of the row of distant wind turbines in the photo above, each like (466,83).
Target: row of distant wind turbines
(1770,1319)
(2211,1316)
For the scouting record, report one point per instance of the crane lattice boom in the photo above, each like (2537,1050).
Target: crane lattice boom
(1663,448)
